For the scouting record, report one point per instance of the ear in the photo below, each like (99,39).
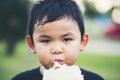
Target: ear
(30,43)
(84,41)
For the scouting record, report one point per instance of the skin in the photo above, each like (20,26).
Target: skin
(58,41)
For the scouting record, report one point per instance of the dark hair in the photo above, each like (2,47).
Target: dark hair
(53,10)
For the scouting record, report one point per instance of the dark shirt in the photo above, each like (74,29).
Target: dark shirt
(35,74)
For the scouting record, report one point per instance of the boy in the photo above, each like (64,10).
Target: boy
(56,34)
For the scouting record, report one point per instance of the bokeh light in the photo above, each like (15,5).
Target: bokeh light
(102,6)
(81,5)
(116,3)
(116,15)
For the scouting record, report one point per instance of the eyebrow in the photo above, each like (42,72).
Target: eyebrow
(64,35)
(67,34)
(44,36)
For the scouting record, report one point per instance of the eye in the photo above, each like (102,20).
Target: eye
(67,39)
(45,41)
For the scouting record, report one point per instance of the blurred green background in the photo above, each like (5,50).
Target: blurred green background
(102,23)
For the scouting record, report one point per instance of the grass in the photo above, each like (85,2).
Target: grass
(22,60)
(106,66)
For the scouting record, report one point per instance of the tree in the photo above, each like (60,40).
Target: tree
(13,22)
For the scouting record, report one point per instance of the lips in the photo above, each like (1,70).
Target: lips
(59,61)
(58,58)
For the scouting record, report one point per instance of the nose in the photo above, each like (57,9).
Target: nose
(57,48)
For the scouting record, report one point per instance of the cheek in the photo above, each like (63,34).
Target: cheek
(71,57)
(43,55)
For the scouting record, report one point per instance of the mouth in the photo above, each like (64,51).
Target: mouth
(61,62)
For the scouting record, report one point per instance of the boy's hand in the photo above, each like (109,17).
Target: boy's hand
(63,72)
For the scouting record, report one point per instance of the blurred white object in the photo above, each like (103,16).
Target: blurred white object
(63,72)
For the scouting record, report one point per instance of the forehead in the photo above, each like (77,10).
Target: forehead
(60,26)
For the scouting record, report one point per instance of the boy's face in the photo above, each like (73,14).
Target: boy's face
(57,41)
